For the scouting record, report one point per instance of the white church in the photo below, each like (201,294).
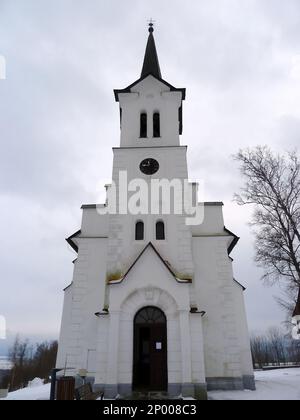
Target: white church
(153,305)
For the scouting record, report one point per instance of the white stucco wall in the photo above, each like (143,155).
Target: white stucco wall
(123,249)
(149,283)
(243,331)
(94,224)
(226,342)
(213,222)
(64,335)
(150,96)
(84,298)
(212,346)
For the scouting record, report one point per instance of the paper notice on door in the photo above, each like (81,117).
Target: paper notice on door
(158,346)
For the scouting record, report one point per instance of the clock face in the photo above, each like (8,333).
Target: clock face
(149,166)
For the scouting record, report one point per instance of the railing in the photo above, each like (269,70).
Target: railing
(273,366)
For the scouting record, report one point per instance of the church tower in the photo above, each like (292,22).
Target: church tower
(153,306)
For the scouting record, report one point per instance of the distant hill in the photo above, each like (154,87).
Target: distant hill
(5,363)
(5,345)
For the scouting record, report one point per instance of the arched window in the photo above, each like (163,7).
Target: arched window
(139,231)
(160,231)
(156,125)
(143,128)
(150,315)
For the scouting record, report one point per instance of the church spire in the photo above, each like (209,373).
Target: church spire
(151,63)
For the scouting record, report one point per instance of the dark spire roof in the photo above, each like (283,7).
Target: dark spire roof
(151,63)
(151,66)
(297,308)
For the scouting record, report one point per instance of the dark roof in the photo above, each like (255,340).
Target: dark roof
(151,63)
(208,203)
(128,88)
(297,308)
(243,287)
(169,268)
(234,240)
(214,203)
(88,206)
(151,67)
(71,242)
(68,287)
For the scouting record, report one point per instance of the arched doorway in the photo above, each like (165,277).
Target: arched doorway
(150,365)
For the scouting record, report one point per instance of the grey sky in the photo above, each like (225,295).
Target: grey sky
(240,63)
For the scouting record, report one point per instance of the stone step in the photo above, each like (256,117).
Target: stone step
(153,395)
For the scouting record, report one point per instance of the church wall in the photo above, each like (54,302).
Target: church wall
(94,224)
(149,284)
(150,96)
(177,246)
(206,290)
(102,336)
(213,223)
(243,332)
(87,298)
(213,347)
(174,349)
(64,329)
(172,162)
(94,300)
(216,295)
(197,346)
(149,271)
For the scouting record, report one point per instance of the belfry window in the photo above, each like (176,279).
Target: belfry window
(160,231)
(143,128)
(139,231)
(156,125)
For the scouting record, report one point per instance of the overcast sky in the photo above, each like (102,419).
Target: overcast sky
(240,63)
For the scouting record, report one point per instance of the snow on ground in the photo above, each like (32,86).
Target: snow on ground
(40,392)
(36,382)
(281,384)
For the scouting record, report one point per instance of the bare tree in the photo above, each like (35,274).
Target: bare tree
(277,345)
(30,362)
(274,347)
(273,186)
(259,350)
(294,351)
(18,356)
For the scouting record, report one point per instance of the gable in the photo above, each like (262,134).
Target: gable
(150,85)
(149,259)
(234,240)
(72,240)
(131,87)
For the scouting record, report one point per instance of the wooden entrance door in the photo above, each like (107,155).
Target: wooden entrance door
(150,370)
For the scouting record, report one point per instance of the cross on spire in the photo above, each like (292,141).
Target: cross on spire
(151,63)
(151,23)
